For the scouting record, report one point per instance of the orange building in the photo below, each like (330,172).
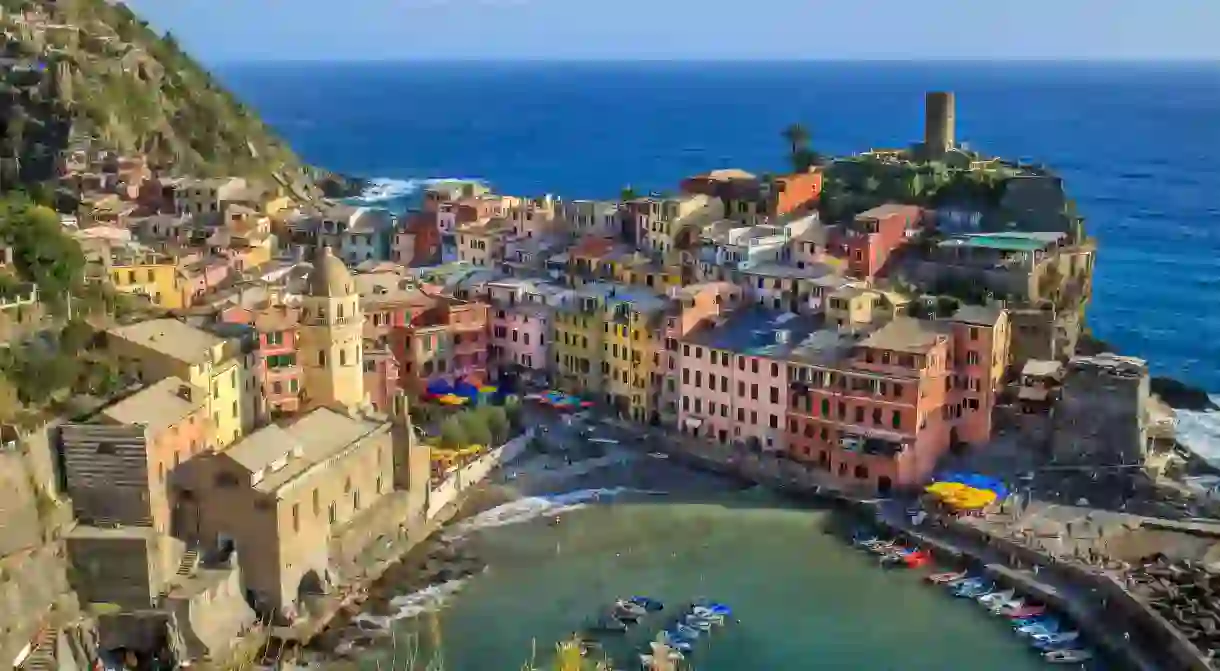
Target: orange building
(120,464)
(880,411)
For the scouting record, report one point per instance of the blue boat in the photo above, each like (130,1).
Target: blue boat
(1048,646)
(671,640)
(974,591)
(713,607)
(647,603)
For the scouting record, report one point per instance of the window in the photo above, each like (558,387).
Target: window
(775,394)
(296,518)
(774,372)
(754,365)
(974,333)
(342,357)
(322,358)
(317,504)
(896,420)
(826,407)
(332,513)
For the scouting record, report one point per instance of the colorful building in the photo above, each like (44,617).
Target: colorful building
(277,327)
(154,276)
(576,344)
(869,240)
(880,410)
(693,304)
(521,326)
(734,385)
(632,341)
(162,348)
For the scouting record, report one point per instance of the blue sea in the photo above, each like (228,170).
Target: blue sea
(1139,145)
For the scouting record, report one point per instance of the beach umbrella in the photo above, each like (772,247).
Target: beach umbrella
(440,387)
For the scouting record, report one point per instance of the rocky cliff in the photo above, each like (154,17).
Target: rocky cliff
(82,73)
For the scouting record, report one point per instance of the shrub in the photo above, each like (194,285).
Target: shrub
(453,434)
(498,423)
(477,432)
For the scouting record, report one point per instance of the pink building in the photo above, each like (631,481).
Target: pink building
(734,384)
(380,375)
(277,342)
(521,322)
(696,303)
(202,275)
(869,240)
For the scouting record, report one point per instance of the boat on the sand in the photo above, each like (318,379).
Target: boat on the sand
(1072,656)
(1009,606)
(1027,610)
(992,598)
(946,578)
(1056,637)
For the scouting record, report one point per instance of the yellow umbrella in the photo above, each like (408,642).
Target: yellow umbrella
(945,489)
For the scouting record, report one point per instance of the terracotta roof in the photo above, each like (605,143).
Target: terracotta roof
(594,247)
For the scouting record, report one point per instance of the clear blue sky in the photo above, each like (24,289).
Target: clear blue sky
(372,30)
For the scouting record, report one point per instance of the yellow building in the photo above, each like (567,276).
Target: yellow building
(640,271)
(155,276)
(161,348)
(633,337)
(577,337)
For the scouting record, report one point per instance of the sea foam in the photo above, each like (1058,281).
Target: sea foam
(1200,431)
(383,190)
(434,597)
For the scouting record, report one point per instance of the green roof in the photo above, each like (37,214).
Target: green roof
(1005,242)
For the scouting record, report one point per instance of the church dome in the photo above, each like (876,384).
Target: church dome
(329,277)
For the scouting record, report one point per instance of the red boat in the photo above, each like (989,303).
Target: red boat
(1027,611)
(917,559)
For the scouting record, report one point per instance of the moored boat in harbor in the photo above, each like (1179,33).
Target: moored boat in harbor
(1071,656)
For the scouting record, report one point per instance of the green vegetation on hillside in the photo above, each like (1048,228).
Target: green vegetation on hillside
(859,183)
(89,70)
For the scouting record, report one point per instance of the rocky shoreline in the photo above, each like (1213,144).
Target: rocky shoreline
(435,562)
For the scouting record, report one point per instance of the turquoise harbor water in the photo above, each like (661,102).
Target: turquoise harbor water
(804,599)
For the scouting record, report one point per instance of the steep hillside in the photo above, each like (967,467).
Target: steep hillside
(90,72)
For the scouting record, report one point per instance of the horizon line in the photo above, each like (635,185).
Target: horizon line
(527,60)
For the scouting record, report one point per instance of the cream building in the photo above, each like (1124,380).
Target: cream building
(331,334)
(162,348)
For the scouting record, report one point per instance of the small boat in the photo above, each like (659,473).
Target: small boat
(1047,646)
(974,591)
(1056,637)
(671,641)
(658,455)
(649,604)
(648,662)
(705,616)
(895,557)
(608,625)
(1027,610)
(1006,607)
(996,597)
(864,541)
(629,606)
(679,635)
(962,584)
(884,547)
(917,559)
(686,631)
(945,578)
(697,623)
(1073,656)
(711,607)
(1018,622)
(1047,627)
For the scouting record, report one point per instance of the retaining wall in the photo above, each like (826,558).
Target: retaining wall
(472,474)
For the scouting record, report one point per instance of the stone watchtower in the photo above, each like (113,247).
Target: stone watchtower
(331,331)
(939,124)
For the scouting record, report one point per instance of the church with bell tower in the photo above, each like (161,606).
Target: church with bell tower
(331,334)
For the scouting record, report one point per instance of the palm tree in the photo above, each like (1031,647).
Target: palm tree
(797,136)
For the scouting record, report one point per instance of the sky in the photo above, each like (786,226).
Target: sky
(225,31)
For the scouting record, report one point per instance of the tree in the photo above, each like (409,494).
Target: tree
(628,193)
(476,428)
(75,337)
(453,434)
(512,408)
(798,138)
(497,423)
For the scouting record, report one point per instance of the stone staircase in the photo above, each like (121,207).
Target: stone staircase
(43,656)
(190,559)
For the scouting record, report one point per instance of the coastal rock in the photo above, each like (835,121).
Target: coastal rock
(1182,396)
(337,186)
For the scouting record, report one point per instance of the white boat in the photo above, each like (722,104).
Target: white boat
(687,631)
(1067,656)
(629,607)
(697,623)
(701,613)
(1007,606)
(658,455)
(604,441)
(1052,637)
(996,597)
